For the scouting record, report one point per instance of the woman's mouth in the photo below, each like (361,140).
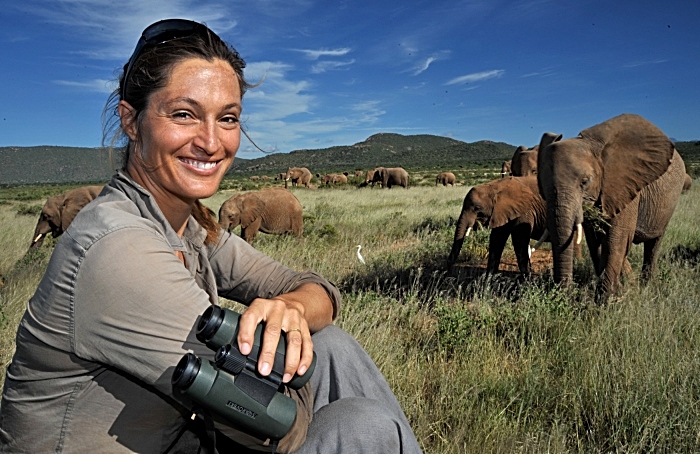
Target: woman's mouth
(201,165)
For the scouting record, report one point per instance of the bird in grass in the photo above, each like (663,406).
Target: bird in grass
(359,256)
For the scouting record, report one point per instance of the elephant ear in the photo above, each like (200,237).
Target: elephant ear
(634,154)
(547,139)
(251,209)
(511,200)
(68,213)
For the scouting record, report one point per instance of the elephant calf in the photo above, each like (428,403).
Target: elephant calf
(511,207)
(58,212)
(445,178)
(272,210)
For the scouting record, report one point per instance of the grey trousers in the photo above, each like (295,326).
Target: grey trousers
(355,411)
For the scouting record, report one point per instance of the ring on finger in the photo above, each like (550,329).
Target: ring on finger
(293,329)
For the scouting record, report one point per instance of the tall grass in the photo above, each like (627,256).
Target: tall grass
(483,364)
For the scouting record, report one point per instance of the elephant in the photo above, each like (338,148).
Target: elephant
(272,210)
(630,173)
(334,178)
(254,178)
(298,175)
(687,182)
(505,169)
(58,212)
(511,207)
(391,176)
(445,178)
(524,161)
(280,176)
(359,173)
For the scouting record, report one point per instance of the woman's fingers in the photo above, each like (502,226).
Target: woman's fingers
(281,319)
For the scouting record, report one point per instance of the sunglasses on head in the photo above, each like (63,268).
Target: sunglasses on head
(159,33)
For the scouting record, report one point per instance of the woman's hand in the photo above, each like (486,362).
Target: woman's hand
(298,313)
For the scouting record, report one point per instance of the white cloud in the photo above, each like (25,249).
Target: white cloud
(425,64)
(96,85)
(316,54)
(476,77)
(112,28)
(324,66)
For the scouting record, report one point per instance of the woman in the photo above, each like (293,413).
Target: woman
(118,305)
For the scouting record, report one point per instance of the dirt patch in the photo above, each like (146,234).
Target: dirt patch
(540,261)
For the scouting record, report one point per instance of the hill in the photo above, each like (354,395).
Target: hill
(52,164)
(384,149)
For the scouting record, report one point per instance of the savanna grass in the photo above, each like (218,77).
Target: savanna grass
(479,363)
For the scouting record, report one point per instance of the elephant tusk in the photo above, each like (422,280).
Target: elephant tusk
(542,239)
(38,237)
(469,230)
(579,233)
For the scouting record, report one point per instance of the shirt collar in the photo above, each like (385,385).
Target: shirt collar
(150,210)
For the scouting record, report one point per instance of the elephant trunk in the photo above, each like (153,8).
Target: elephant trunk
(464,227)
(40,232)
(564,225)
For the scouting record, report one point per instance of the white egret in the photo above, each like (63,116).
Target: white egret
(359,256)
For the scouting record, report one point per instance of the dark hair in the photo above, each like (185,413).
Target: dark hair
(150,71)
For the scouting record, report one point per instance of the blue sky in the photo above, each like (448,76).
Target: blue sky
(336,72)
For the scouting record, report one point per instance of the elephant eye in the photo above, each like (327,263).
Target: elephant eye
(585,181)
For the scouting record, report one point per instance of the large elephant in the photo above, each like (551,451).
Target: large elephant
(271,210)
(511,207)
(445,178)
(58,212)
(524,161)
(505,169)
(298,175)
(391,176)
(630,172)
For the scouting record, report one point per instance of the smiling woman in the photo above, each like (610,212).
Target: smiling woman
(100,346)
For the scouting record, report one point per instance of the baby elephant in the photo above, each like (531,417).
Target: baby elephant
(272,210)
(510,206)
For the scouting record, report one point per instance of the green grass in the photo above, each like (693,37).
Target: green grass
(480,365)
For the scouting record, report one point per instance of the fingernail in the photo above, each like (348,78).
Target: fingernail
(265,368)
(245,348)
(302,371)
(286,378)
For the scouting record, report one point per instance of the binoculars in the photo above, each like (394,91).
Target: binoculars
(230,386)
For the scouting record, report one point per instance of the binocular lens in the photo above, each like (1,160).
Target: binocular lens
(186,371)
(210,323)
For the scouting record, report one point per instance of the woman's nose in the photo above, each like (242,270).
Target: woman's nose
(208,137)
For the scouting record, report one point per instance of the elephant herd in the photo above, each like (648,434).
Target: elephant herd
(625,169)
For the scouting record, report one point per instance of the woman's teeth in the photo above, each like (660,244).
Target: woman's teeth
(200,164)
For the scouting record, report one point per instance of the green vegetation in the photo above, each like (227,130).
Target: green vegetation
(478,364)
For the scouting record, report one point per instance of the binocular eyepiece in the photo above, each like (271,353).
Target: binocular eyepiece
(231,386)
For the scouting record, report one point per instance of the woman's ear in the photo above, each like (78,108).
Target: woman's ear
(127,116)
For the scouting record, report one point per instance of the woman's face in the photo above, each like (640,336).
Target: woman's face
(189,132)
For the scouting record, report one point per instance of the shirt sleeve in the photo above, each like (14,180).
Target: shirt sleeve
(136,307)
(243,273)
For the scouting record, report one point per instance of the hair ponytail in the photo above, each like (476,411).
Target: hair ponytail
(206,218)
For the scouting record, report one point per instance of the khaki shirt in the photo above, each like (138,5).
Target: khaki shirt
(110,319)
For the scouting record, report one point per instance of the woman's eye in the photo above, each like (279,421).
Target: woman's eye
(182,115)
(230,120)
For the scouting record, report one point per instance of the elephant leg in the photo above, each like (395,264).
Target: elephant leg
(594,240)
(616,248)
(497,242)
(651,253)
(521,241)
(251,231)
